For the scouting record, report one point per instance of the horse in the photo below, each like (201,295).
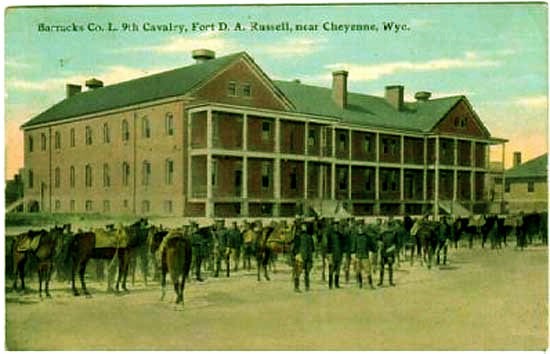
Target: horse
(270,241)
(427,236)
(140,231)
(83,247)
(175,253)
(43,245)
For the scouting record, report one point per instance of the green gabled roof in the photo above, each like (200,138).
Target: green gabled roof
(162,85)
(537,167)
(368,110)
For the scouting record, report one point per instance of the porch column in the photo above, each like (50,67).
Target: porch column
(436,180)
(333,166)
(244,191)
(402,178)
(376,208)
(349,165)
(277,169)
(306,182)
(455,171)
(472,173)
(425,175)
(209,201)
(502,203)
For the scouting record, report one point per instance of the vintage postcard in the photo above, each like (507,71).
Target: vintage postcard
(343,176)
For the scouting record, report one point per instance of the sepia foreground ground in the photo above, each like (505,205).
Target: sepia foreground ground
(481,300)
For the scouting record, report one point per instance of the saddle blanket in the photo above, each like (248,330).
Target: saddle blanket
(28,243)
(110,239)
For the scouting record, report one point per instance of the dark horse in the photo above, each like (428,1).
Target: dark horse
(271,240)
(44,250)
(428,239)
(83,248)
(140,231)
(175,253)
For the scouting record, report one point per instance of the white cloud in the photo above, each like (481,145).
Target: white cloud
(534,102)
(16,64)
(363,72)
(294,47)
(210,40)
(109,75)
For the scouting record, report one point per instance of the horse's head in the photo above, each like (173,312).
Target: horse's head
(156,239)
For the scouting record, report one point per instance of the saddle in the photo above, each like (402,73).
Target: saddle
(110,239)
(29,241)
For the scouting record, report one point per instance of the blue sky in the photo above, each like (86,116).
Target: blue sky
(495,54)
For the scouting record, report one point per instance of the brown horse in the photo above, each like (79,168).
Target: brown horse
(83,248)
(41,244)
(270,241)
(175,253)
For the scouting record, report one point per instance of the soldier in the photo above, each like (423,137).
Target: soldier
(443,235)
(360,255)
(249,238)
(198,244)
(333,241)
(234,244)
(348,233)
(302,250)
(387,244)
(220,247)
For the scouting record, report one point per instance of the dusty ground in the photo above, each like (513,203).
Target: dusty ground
(482,300)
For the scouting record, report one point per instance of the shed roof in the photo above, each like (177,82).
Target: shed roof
(537,167)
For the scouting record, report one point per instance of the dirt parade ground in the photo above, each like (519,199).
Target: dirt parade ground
(483,299)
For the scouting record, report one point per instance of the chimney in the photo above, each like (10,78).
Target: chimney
(94,83)
(72,89)
(517,158)
(340,88)
(422,96)
(394,96)
(202,55)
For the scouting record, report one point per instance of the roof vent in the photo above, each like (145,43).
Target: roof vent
(72,89)
(422,96)
(202,55)
(297,81)
(94,83)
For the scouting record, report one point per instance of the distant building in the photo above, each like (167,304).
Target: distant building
(525,185)
(14,192)
(220,138)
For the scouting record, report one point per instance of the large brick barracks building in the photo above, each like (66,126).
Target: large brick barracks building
(220,138)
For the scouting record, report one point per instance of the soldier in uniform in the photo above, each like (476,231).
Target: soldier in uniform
(302,250)
(197,243)
(333,241)
(234,244)
(249,237)
(220,247)
(387,243)
(348,233)
(361,247)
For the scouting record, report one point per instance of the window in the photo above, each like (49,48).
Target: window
(88,136)
(125,203)
(385,146)
(169,123)
(125,173)
(72,205)
(106,133)
(145,206)
(507,187)
(106,175)
(530,187)
(266,130)
(57,177)
(168,206)
(106,206)
(291,140)
(215,128)
(71,177)
(145,173)
(460,122)
(145,128)
(125,131)
(57,140)
(311,137)
(247,90)
(72,138)
(342,179)
(169,173)
(342,141)
(88,175)
(31,179)
(293,178)
(88,205)
(214,172)
(266,174)
(368,180)
(232,88)
(366,144)
(43,142)
(57,205)
(31,144)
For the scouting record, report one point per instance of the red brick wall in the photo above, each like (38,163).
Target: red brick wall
(450,124)
(342,143)
(230,130)
(392,185)
(361,187)
(292,137)
(198,130)
(463,186)
(314,140)
(195,209)
(198,176)
(393,153)
(414,151)
(240,73)
(446,151)
(227,210)
(358,146)
(255,189)
(479,185)
(464,153)
(445,185)
(413,181)
(480,154)
(256,142)
(286,171)
(227,167)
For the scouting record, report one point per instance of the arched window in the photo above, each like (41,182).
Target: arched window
(31,179)
(57,177)
(88,175)
(73,139)
(43,142)
(125,173)
(145,128)
(71,177)
(169,123)
(57,140)
(145,173)
(88,135)
(125,131)
(106,175)
(31,143)
(106,133)
(169,171)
